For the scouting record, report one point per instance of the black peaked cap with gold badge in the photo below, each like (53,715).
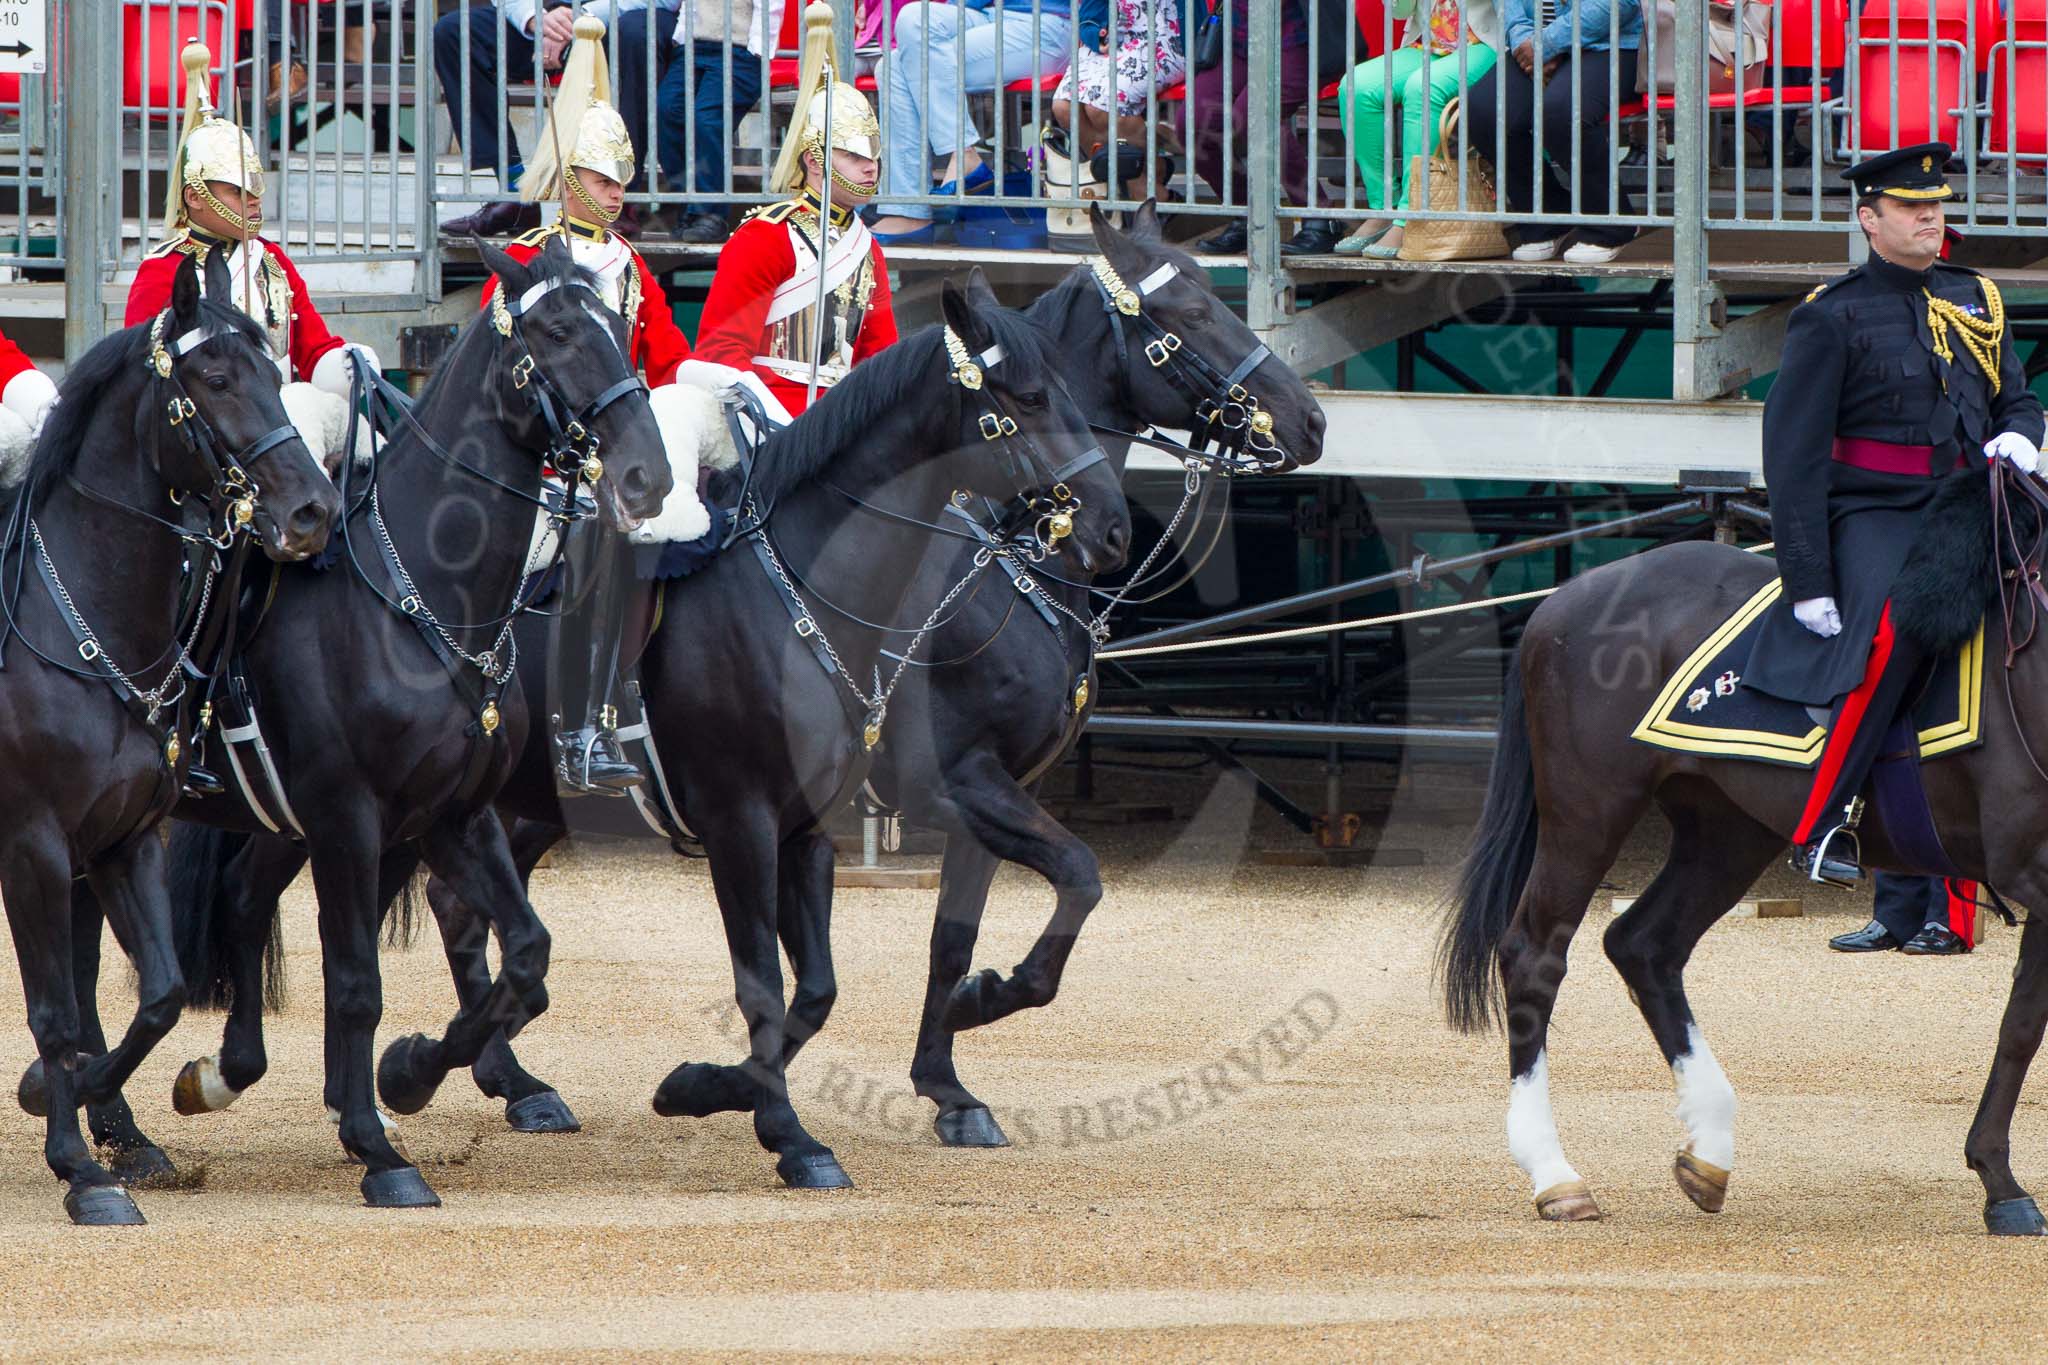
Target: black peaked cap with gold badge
(1908,173)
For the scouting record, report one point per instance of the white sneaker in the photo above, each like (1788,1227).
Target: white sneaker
(1591,253)
(1537,251)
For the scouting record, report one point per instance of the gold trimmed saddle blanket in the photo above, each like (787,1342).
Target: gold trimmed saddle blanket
(1704,709)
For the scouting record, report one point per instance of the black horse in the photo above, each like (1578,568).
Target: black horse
(1569,784)
(168,441)
(1007,687)
(378,684)
(757,742)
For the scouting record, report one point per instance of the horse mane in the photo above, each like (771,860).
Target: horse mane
(97,371)
(884,383)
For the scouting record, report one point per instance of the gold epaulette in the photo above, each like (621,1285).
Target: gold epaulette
(775,213)
(1817,290)
(538,236)
(1981,337)
(182,243)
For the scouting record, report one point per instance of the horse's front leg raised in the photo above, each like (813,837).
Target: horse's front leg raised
(531,1104)
(2008,1209)
(471,855)
(1000,815)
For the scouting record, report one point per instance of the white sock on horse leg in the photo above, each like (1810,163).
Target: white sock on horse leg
(1706,1101)
(1532,1130)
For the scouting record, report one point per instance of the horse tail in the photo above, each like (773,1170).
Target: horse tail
(1495,870)
(402,916)
(201,910)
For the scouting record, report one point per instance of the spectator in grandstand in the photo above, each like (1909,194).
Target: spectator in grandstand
(1608,33)
(1451,47)
(712,37)
(509,33)
(1151,53)
(1214,122)
(945,53)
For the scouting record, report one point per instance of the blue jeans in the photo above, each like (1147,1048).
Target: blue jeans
(483,130)
(943,54)
(696,79)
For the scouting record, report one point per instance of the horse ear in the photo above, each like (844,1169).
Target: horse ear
(1145,225)
(979,292)
(513,277)
(185,294)
(956,306)
(220,287)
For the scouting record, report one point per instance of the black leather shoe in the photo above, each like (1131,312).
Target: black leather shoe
(495,220)
(703,229)
(1229,242)
(200,782)
(1935,940)
(1871,938)
(1315,237)
(589,760)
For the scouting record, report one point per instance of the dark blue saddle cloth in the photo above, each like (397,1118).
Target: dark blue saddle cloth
(1704,709)
(681,558)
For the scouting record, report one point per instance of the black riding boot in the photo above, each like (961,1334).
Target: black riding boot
(587,756)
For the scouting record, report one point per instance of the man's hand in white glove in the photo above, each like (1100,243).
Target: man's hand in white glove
(2012,446)
(1818,615)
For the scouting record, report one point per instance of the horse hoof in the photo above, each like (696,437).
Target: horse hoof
(1704,1183)
(813,1171)
(1568,1202)
(974,1127)
(545,1112)
(400,1188)
(967,1002)
(102,1206)
(698,1090)
(144,1168)
(2014,1218)
(33,1094)
(402,1091)
(199,1088)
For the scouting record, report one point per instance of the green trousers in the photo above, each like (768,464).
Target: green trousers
(1422,85)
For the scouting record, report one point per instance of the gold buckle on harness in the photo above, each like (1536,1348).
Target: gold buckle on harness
(1161,349)
(994,426)
(522,370)
(181,408)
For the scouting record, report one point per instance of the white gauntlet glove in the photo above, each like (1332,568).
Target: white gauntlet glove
(1818,615)
(2015,447)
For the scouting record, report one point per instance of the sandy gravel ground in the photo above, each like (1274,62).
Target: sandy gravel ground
(1241,1132)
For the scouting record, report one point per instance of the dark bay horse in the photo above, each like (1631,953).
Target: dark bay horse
(378,684)
(1568,787)
(970,734)
(756,740)
(119,565)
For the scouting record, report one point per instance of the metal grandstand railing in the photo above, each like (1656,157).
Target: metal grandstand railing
(369,148)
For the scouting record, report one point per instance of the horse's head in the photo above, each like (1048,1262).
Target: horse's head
(565,382)
(1190,359)
(1024,431)
(221,425)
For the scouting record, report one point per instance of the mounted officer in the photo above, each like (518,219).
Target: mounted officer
(214,202)
(589,177)
(763,328)
(1895,375)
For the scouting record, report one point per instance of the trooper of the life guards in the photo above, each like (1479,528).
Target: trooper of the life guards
(214,202)
(763,327)
(584,161)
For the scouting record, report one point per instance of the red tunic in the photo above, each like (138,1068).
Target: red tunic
(659,346)
(755,263)
(151,294)
(13,361)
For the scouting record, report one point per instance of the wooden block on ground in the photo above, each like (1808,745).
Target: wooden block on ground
(888,878)
(1750,907)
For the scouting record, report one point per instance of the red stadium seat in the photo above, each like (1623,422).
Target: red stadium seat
(782,71)
(2017,125)
(1808,38)
(165,26)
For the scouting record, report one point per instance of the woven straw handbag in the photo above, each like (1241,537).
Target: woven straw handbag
(1436,239)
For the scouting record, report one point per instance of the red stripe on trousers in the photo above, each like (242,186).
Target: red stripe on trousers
(1837,747)
(1962,909)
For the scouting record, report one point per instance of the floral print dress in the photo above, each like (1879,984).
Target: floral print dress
(1148,58)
